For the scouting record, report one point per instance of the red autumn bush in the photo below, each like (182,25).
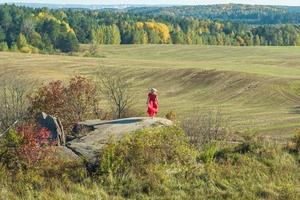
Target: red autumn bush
(50,98)
(26,147)
(82,98)
(35,145)
(71,103)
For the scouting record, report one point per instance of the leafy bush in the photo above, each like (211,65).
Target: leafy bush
(294,145)
(71,103)
(209,153)
(22,41)
(29,49)
(34,146)
(160,164)
(82,97)
(49,98)
(251,144)
(25,147)
(26,49)
(14,48)
(145,160)
(296,140)
(3,46)
(35,50)
(171,116)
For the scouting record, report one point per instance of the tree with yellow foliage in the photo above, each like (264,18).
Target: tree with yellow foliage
(106,35)
(162,30)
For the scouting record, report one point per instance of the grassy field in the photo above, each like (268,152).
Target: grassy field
(256,88)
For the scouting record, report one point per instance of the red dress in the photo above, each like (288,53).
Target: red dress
(152,104)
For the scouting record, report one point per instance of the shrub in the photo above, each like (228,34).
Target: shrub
(35,50)
(71,103)
(208,153)
(251,144)
(14,104)
(204,128)
(93,50)
(34,145)
(36,40)
(296,140)
(3,46)
(26,49)
(171,116)
(50,98)
(25,147)
(147,158)
(82,97)
(160,164)
(21,41)
(14,48)
(294,145)
(9,145)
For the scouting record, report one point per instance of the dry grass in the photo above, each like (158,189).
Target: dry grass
(257,88)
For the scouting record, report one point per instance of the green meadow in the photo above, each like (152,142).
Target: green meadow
(255,88)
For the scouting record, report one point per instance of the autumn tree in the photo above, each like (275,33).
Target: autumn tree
(82,100)
(158,32)
(139,36)
(22,42)
(50,98)
(115,34)
(106,35)
(71,103)
(98,35)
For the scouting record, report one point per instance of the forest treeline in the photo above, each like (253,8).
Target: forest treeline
(250,14)
(44,30)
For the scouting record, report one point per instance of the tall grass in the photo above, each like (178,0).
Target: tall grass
(161,164)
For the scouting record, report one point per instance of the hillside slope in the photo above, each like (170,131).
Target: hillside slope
(255,88)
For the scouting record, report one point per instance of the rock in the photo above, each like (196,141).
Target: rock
(90,145)
(66,155)
(53,125)
(66,158)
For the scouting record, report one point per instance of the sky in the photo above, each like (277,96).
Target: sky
(157,2)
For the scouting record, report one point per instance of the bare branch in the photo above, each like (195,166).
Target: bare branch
(117,91)
(13,99)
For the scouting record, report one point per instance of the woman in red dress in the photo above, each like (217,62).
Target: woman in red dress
(152,103)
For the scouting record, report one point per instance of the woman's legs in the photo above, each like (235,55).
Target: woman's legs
(152,109)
